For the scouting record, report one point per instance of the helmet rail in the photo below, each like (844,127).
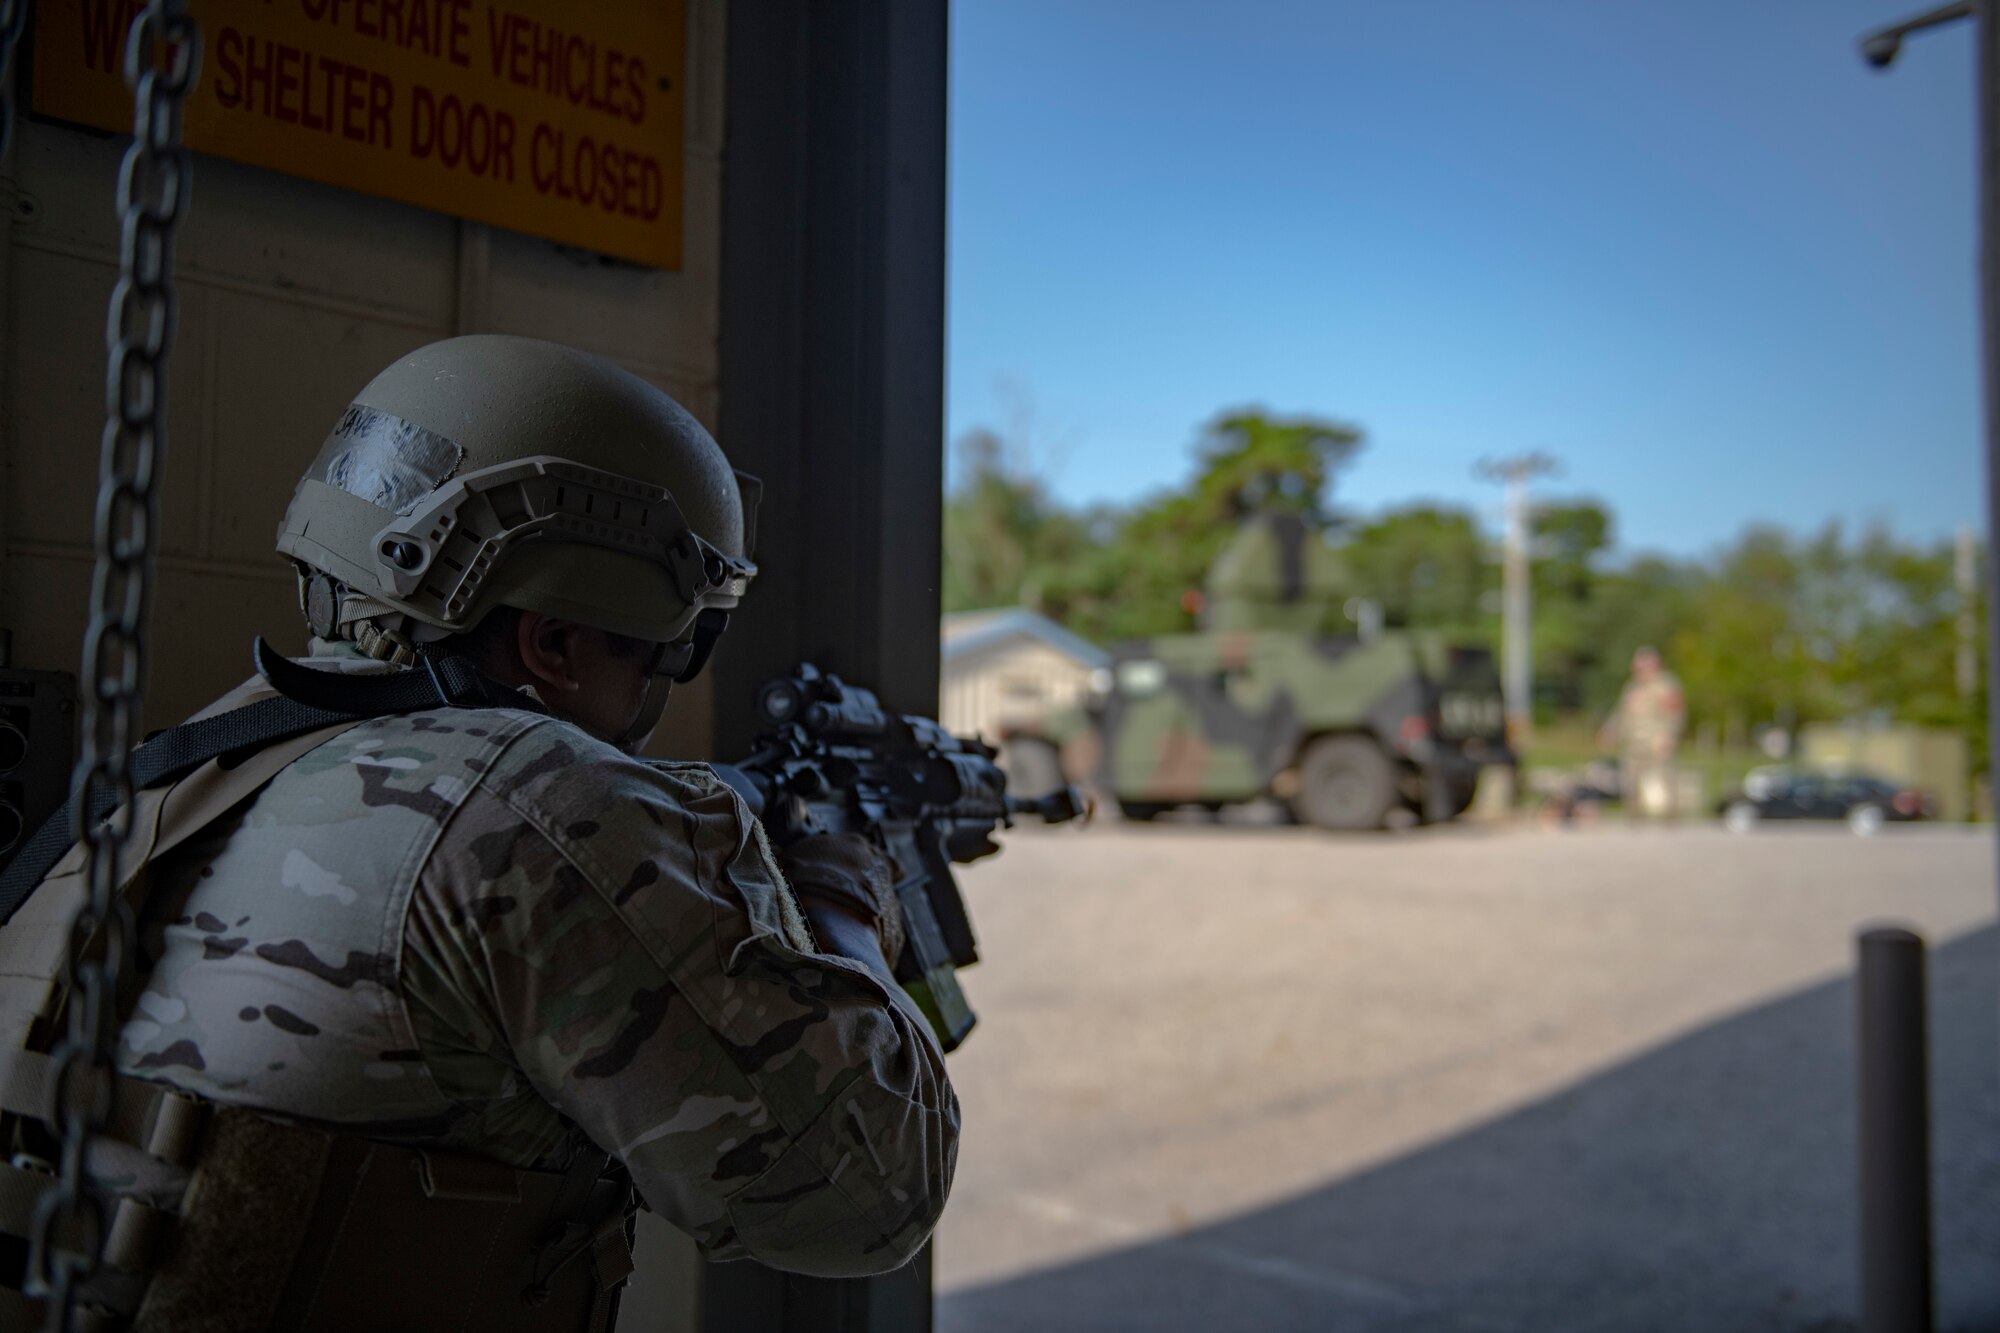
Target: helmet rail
(438,556)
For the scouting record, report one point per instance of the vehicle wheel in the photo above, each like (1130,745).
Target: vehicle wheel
(1142,811)
(1865,820)
(1462,795)
(1345,782)
(1740,817)
(1033,766)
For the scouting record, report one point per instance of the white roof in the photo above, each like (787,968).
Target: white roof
(967,632)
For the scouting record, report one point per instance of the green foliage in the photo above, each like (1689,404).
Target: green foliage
(1774,628)
(1004,537)
(1738,646)
(1424,566)
(1590,619)
(1252,463)
(1797,630)
(1643,604)
(1113,575)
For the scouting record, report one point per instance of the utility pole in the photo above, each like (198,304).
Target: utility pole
(1517,670)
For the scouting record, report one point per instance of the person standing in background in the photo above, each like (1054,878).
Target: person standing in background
(1645,728)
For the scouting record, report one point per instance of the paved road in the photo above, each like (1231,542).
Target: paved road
(1471,1079)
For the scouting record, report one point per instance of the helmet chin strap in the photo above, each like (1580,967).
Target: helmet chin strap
(633,738)
(680,663)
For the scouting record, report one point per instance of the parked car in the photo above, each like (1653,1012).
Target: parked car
(1865,803)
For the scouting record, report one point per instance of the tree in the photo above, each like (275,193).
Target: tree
(1134,572)
(1790,630)
(1772,628)
(1424,566)
(1568,541)
(1250,463)
(1003,533)
(1742,647)
(1247,462)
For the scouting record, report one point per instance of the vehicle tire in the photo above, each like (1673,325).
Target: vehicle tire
(1462,796)
(1865,821)
(1033,766)
(1141,811)
(1741,817)
(1345,782)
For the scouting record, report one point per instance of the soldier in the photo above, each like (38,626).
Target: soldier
(1645,728)
(444,980)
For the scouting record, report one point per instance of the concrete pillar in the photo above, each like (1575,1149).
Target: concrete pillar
(832,390)
(832,356)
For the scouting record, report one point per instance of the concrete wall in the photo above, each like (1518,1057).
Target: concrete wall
(293,294)
(828,310)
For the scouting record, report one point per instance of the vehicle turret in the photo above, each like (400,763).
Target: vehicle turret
(1276,573)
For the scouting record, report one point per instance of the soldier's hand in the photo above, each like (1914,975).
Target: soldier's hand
(842,880)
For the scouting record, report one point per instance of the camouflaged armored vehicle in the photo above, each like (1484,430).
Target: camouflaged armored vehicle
(1345,729)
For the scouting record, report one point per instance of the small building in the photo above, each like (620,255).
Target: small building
(1931,759)
(1010,667)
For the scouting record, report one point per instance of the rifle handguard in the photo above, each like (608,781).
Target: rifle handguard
(833,760)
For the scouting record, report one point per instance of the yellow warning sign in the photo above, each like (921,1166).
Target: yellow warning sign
(547,116)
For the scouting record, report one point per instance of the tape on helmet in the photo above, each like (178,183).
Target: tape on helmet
(491,470)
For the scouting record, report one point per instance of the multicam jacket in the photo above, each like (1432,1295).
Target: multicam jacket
(485,930)
(1650,716)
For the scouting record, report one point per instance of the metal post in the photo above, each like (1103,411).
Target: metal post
(1519,615)
(1986,107)
(833,309)
(1880,50)
(1965,583)
(1986,110)
(1893,1086)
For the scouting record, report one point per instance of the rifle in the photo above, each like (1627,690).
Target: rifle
(834,761)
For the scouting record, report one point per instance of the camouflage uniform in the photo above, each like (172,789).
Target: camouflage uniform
(1647,723)
(485,930)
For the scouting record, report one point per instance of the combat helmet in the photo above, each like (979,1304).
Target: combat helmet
(489,471)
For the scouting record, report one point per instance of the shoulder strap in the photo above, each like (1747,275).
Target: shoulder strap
(34,944)
(307,701)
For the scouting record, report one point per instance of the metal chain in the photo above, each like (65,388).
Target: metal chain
(13,17)
(162,56)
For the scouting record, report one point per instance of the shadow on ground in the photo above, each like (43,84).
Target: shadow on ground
(1707,1185)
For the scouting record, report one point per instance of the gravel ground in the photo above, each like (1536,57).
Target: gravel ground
(1264,1079)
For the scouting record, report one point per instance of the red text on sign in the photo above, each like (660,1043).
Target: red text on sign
(614,179)
(105,23)
(537,55)
(300,88)
(434,27)
(462,133)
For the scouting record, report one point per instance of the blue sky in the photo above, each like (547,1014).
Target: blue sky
(1695,249)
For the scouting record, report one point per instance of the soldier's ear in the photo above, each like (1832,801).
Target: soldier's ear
(547,647)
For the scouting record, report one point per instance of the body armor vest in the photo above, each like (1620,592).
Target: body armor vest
(223,1219)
